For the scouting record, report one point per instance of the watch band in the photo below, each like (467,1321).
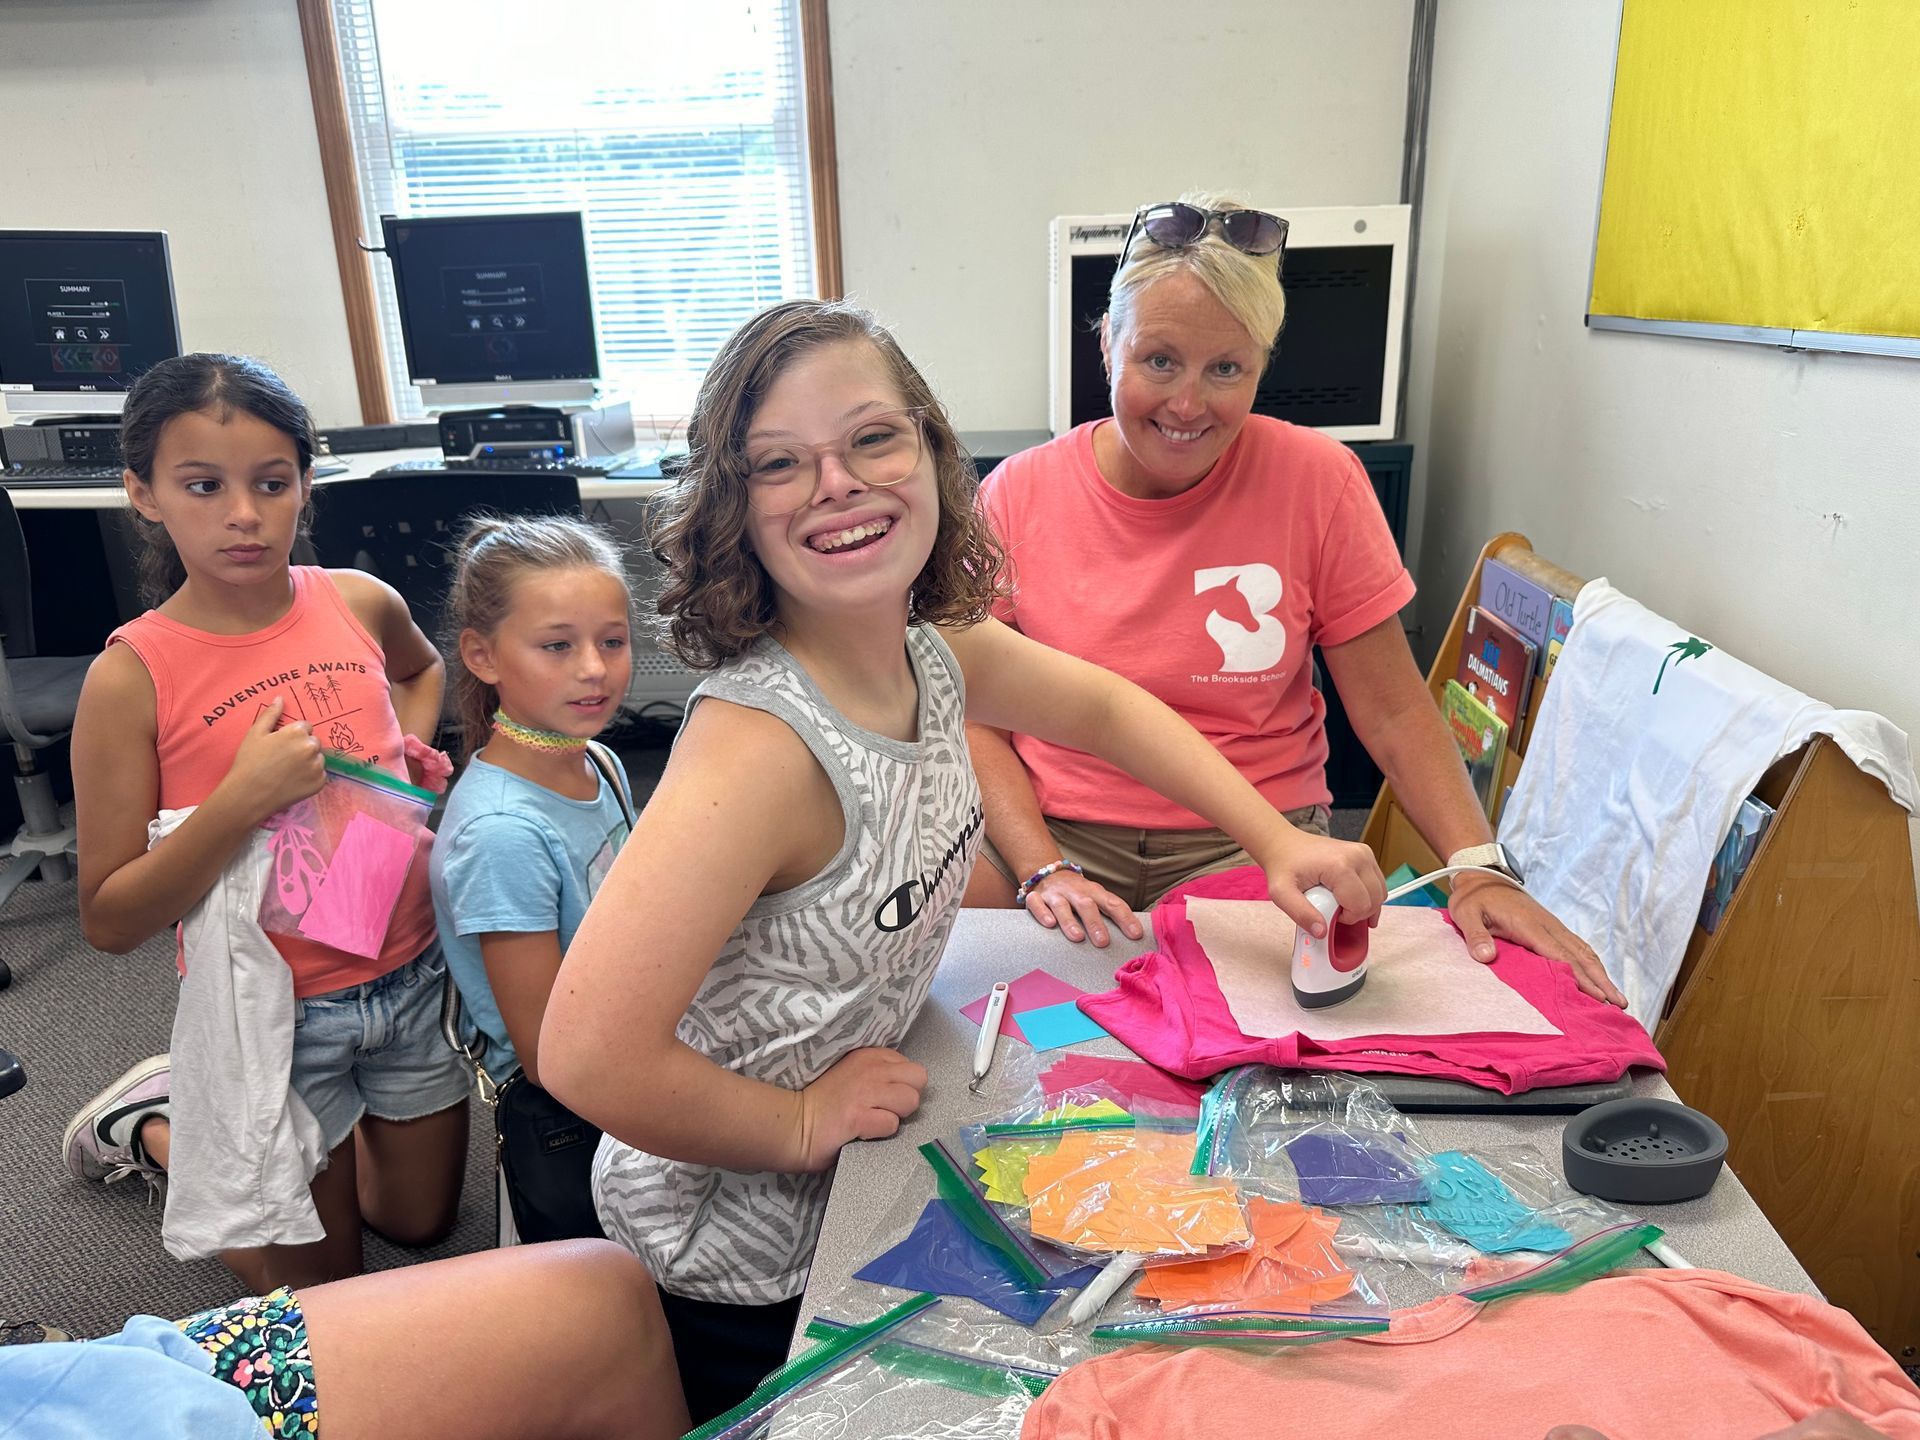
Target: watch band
(1487,857)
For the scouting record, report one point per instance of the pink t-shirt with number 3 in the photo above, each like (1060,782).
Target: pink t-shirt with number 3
(1210,600)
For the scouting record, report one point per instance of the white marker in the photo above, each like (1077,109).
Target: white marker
(989,1034)
(1089,1302)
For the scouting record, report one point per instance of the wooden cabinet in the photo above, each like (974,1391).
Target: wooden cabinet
(1796,1024)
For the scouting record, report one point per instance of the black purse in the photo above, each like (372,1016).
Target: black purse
(546,1160)
(544,1151)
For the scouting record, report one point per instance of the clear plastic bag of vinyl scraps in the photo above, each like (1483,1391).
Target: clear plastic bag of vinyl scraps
(1039,1099)
(1310,1137)
(1033,1085)
(923,1244)
(1097,1186)
(975,1328)
(1252,1326)
(900,1373)
(980,1171)
(341,857)
(1499,1200)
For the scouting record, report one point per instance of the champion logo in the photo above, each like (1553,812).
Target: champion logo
(899,910)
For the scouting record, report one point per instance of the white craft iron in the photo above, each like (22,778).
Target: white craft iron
(1333,967)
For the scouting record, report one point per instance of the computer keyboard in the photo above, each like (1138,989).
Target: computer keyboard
(584,469)
(28,474)
(64,475)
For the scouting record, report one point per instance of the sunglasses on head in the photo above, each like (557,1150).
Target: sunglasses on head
(1174,225)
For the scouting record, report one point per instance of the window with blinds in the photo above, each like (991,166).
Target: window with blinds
(679,132)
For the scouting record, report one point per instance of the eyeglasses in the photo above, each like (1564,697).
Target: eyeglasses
(1174,225)
(880,452)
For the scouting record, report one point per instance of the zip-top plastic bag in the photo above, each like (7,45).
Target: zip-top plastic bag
(924,1245)
(1335,1140)
(1499,1200)
(1039,1103)
(1097,1172)
(902,1373)
(341,858)
(1315,1138)
(1251,1326)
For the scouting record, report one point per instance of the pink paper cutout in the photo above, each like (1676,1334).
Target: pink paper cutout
(353,904)
(1129,1081)
(297,866)
(1032,991)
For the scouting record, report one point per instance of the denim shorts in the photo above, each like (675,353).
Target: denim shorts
(376,1049)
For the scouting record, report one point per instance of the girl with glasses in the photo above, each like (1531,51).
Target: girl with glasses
(1228,545)
(729,1009)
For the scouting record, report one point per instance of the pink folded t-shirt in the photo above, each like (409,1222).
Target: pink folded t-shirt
(1169,1009)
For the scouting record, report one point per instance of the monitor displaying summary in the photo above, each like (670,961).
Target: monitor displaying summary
(487,298)
(83,311)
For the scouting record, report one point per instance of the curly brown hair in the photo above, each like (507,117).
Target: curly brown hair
(718,599)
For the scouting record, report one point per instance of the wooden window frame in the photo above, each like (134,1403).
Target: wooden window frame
(343,185)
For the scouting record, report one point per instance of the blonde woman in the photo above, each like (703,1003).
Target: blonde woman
(1202,551)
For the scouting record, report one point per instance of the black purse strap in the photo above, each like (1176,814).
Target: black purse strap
(604,762)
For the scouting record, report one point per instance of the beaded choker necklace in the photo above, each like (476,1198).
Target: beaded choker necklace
(506,726)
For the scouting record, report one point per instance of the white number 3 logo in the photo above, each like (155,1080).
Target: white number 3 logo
(1246,651)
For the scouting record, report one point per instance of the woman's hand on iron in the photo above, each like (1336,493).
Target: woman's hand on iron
(1348,869)
(1487,909)
(1079,909)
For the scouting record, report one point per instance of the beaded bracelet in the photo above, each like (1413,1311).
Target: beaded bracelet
(1041,874)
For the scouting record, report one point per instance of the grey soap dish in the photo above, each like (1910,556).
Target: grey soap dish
(1642,1152)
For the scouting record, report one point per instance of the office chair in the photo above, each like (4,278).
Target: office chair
(401,527)
(38,698)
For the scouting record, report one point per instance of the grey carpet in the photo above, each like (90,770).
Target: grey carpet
(85,1256)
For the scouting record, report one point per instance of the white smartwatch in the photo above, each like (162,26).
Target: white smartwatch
(1487,857)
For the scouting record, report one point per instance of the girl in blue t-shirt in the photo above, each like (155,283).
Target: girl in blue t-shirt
(538,620)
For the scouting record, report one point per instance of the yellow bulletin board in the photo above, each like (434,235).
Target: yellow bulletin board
(1763,174)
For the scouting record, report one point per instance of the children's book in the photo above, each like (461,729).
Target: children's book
(1731,860)
(1481,736)
(1550,659)
(1525,606)
(1496,667)
(1559,625)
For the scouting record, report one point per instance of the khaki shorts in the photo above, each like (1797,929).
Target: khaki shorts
(1142,865)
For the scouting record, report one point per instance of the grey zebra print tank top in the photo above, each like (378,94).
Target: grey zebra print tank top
(838,963)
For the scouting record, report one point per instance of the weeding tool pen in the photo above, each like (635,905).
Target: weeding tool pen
(989,1034)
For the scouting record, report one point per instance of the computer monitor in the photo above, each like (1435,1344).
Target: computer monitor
(82,314)
(495,309)
(1337,365)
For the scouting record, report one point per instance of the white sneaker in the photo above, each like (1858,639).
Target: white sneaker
(102,1142)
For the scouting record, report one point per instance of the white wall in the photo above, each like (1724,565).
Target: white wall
(964,126)
(1770,502)
(193,117)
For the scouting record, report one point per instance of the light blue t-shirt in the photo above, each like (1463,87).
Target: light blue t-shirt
(78,1391)
(514,856)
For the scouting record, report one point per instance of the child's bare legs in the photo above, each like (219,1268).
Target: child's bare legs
(267,1267)
(554,1340)
(334,1257)
(402,1177)
(410,1173)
